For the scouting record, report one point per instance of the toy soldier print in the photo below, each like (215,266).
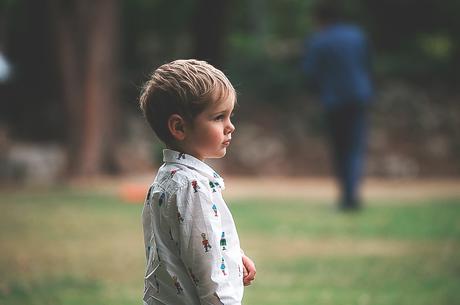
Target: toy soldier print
(161,199)
(195,186)
(177,285)
(181,156)
(194,279)
(222,267)
(223,241)
(205,242)
(213,186)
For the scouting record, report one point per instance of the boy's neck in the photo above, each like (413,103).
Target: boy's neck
(180,150)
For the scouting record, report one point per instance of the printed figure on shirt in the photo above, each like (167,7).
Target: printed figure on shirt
(214,208)
(194,279)
(213,186)
(205,242)
(161,199)
(173,172)
(222,267)
(223,241)
(177,285)
(195,186)
(148,251)
(180,218)
(181,156)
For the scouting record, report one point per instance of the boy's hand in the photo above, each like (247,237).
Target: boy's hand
(249,270)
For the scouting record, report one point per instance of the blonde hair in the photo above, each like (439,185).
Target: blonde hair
(183,87)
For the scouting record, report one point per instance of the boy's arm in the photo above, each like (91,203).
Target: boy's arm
(199,236)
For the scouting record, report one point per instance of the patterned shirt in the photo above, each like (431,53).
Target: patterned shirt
(192,246)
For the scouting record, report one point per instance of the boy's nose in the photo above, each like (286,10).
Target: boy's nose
(230,128)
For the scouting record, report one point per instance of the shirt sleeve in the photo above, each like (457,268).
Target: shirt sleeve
(199,234)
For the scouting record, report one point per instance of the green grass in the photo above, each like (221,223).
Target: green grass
(69,247)
(432,219)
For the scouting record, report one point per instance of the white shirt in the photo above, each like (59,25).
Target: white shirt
(192,246)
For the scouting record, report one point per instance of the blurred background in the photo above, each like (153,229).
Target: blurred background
(74,148)
(75,68)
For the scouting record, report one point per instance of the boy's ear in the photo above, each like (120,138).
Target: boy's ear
(176,126)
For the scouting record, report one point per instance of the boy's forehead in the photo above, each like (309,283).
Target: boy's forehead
(222,104)
(222,99)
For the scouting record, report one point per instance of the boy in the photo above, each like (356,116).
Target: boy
(192,247)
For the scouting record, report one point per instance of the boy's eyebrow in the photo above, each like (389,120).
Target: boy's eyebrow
(218,113)
(223,111)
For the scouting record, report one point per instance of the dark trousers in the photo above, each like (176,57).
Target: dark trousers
(347,130)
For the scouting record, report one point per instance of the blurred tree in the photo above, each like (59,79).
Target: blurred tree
(422,39)
(257,43)
(210,29)
(4,8)
(87,43)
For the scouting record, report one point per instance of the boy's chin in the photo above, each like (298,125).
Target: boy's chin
(219,154)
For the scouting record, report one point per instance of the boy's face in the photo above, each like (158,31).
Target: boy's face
(211,132)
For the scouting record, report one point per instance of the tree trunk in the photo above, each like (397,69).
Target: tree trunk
(87,45)
(210,30)
(69,52)
(99,87)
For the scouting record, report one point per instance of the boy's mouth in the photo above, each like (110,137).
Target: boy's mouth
(227,142)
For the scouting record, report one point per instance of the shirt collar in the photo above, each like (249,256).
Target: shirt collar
(172,156)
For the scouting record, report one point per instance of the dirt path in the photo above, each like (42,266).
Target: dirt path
(133,188)
(325,188)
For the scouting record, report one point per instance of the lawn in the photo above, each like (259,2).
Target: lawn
(73,247)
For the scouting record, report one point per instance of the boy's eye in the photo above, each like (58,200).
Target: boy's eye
(219,117)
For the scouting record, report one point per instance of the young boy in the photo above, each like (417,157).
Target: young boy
(192,247)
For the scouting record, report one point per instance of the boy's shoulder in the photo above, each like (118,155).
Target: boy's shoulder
(175,176)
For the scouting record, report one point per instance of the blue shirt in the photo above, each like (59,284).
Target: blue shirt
(338,60)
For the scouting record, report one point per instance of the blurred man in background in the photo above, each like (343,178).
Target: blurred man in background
(337,61)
